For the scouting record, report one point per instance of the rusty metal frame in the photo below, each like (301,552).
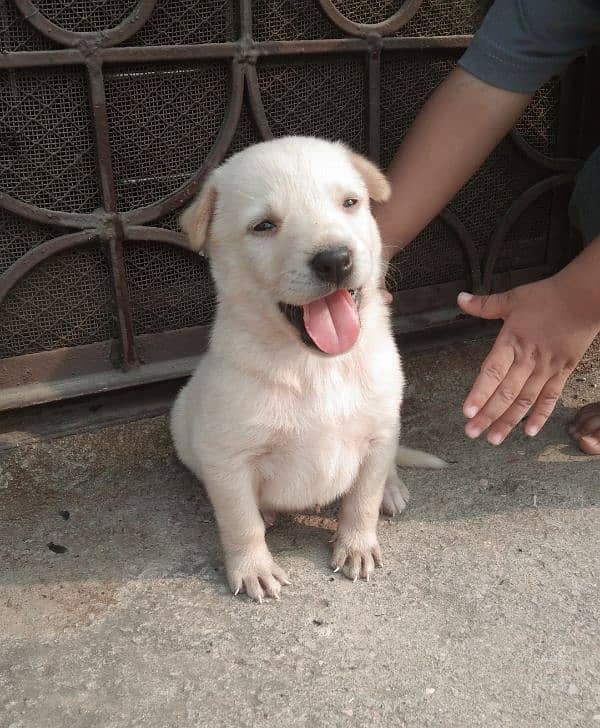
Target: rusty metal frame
(142,358)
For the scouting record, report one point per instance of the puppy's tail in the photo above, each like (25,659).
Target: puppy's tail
(408,458)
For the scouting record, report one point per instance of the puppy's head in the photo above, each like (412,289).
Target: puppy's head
(288,227)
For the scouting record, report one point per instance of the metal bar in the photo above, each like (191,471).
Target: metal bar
(48,217)
(438,42)
(374,97)
(102,381)
(553,164)
(390,25)
(115,239)
(100,116)
(36,255)
(210,51)
(41,59)
(257,108)
(121,290)
(159,235)
(143,54)
(79,370)
(245,8)
(87,41)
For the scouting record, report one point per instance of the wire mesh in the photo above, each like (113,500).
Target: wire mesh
(317,96)
(169,288)
(179,22)
(291,20)
(48,158)
(163,119)
(65,301)
(434,257)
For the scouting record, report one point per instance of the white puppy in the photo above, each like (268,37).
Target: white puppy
(296,402)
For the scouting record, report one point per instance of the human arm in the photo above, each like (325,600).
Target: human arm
(519,46)
(451,137)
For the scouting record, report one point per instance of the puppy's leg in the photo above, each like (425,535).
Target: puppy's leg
(395,494)
(249,564)
(356,549)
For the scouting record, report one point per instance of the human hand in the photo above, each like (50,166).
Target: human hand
(543,338)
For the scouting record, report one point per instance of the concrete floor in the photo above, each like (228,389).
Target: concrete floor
(485,614)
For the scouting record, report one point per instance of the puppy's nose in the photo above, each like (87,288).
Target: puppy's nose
(333,265)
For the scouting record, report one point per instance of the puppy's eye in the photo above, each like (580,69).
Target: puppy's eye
(350,202)
(264,226)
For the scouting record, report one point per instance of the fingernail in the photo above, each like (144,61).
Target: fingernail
(590,439)
(495,438)
(531,430)
(471,411)
(472,431)
(465,297)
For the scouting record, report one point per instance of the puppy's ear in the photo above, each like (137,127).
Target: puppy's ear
(195,220)
(377,185)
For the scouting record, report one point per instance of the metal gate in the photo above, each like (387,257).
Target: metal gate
(112,112)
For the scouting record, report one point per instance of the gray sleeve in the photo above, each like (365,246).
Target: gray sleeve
(523,43)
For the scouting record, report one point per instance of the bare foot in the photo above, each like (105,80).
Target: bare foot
(585,429)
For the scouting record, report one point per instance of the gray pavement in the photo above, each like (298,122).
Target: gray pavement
(486,612)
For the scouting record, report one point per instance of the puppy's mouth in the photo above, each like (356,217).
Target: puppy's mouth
(330,324)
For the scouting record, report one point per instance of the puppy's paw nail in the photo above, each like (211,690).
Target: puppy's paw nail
(337,568)
(236,592)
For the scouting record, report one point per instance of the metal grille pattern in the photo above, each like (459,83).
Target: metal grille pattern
(77,310)
(162,134)
(83,16)
(46,125)
(316,97)
(109,128)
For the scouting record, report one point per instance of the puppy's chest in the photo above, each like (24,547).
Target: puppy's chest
(297,470)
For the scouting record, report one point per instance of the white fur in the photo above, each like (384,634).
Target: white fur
(267,423)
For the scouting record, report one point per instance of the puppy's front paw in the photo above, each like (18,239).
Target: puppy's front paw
(395,497)
(356,554)
(256,573)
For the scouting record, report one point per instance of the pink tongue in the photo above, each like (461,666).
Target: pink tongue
(332,322)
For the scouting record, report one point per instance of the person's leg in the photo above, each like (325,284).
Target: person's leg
(585,215)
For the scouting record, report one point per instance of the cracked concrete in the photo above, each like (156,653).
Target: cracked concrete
(486,612)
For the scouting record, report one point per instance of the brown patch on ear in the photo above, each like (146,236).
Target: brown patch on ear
(195,220)
(377,185)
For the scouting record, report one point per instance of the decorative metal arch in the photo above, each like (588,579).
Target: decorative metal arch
(96,50)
